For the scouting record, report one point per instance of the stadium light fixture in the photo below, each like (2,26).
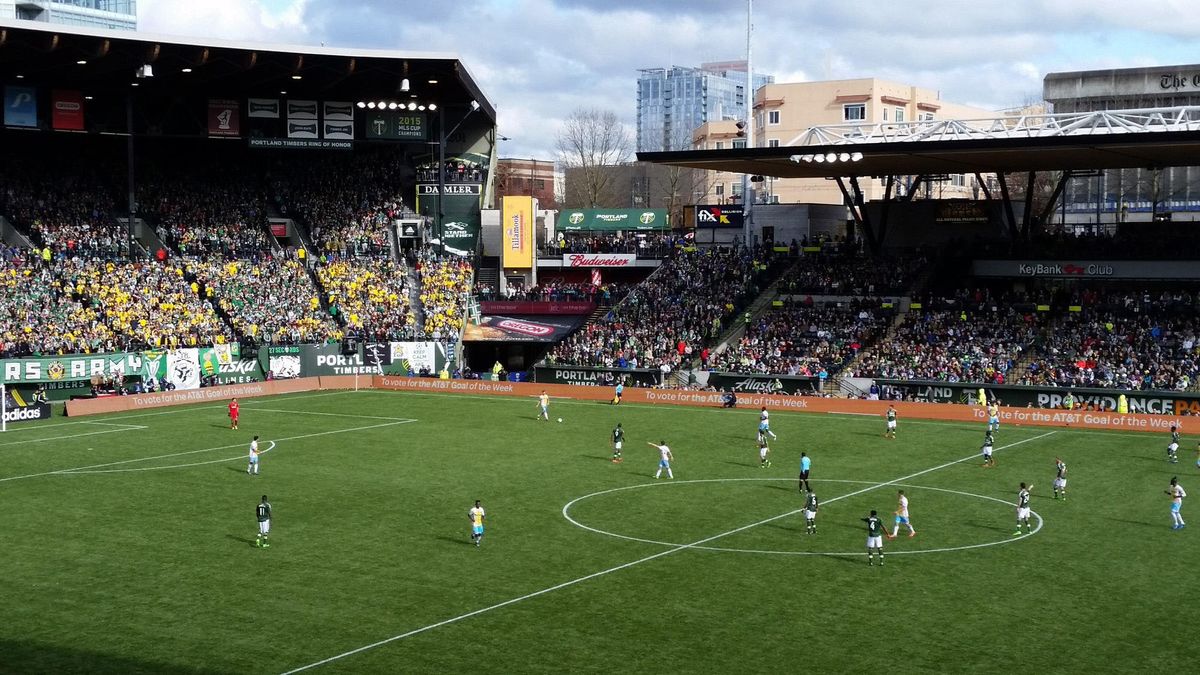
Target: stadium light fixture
(856,156)
(88,98)
(433,106)
(382,104)
(844,157)
(186,70)
(145,71)
(370,104)
(297,76)
(81,62)
(421,108)
(818,158)
(390,106)
(135,84)
(474,105)
(404,84)
(412,106)
(831,157)
(20,77)
(361,104)
(433,81)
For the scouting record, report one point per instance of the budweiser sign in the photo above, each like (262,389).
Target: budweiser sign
(598,259)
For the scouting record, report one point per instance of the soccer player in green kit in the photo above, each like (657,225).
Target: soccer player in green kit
(810,512)
(618,440)
(874,537)
(263,513)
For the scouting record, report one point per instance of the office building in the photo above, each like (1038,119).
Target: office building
(783,112)
(112,14)
(673,102)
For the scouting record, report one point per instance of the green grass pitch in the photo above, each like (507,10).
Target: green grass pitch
(127,544)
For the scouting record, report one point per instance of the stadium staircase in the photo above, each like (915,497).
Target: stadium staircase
(414,297)
(758,307)
(12,236)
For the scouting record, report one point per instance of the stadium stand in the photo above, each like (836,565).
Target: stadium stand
(667,319)
(972,337)
(270,300)
(803,340)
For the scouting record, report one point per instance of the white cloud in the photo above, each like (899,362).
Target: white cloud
(240,20)
(537,60)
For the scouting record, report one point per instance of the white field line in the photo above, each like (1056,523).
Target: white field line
(132,427)
(80,469)
(329,414)
(175,410)
(244,457)
(639,561)
(742,411)
(42,427)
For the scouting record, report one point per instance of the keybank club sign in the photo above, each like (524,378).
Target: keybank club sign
(1088,269)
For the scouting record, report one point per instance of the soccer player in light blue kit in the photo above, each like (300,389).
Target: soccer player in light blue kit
(1177,494)
(665,457)
(764,425)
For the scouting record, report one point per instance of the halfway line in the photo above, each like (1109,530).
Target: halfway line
(639,561)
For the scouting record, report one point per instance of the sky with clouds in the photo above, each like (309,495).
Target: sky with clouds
(538,60)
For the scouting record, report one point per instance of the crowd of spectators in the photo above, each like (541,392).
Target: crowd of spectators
(805,340)
(72,214)
(270,300)
(970,337)
(453,171)
(215,213)
(853,275)
(558,291)
(347,203)
(665,322)
(650,245)
(371,295)
(445,283)
(1121,340)
(87,305)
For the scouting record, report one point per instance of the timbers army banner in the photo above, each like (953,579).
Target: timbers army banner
(70,367)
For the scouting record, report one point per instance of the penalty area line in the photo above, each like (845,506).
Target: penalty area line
(639,561)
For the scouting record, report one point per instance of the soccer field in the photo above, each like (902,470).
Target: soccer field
(128,544)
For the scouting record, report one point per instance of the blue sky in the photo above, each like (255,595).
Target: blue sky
(540,59)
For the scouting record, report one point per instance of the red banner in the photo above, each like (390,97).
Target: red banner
(66,110)
(539,308)
(223,117)
(279,229)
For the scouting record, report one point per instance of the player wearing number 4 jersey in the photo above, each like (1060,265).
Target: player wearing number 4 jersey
(874,537)
(891,423)
(618,440)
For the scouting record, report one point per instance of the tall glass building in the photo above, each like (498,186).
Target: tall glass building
(114,14)
(672,102)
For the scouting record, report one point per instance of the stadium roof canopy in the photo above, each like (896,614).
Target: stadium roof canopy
(104,63)
(1154,138)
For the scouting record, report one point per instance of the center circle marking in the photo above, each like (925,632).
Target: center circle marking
(566,512)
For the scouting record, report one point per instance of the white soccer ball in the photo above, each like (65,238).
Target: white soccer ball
(560,420)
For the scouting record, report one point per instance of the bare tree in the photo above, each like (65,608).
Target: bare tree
(589,142)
